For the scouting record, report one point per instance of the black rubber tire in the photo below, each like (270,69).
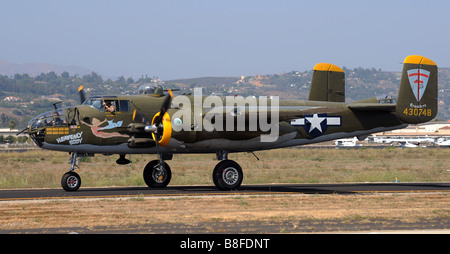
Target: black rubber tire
(155,180)
(71,181)
(228,175)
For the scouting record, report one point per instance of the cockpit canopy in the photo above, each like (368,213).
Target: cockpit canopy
(51,118)
(151,89)
(95,102)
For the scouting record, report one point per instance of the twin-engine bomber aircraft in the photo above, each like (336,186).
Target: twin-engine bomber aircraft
(155,122)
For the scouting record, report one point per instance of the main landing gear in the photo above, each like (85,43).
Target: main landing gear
(227,174)
(157,174)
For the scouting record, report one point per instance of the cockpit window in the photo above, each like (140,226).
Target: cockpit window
(51,118)
(108,104)
(58,119)
(96,103)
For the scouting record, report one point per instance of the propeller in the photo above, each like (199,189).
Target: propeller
(160,125)
(82,94)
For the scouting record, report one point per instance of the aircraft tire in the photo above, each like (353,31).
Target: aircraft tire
(228,175)
(71,181)
(153,178)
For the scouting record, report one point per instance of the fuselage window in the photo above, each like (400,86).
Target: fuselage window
(108,105)
(124,105)
(112,106)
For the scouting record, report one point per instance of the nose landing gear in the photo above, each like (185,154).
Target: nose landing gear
(71,181)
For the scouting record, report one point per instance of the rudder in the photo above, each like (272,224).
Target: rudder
(417,96)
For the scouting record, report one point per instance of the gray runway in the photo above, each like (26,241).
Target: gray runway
(344,188)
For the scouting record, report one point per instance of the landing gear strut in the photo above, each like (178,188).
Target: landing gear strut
(71,181)
(227,175)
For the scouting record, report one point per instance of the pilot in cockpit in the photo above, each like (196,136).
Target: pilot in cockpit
(109,107)
(56,121)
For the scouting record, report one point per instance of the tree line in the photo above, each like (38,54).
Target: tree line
(64,84)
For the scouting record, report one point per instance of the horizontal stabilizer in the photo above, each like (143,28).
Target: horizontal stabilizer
(372,107)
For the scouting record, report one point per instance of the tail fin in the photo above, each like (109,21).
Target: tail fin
(327,84)
(417,97)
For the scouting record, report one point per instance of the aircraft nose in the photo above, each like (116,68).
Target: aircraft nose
(35,124)
(38,125)
(36,130)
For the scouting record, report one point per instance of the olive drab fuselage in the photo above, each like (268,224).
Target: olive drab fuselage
(91,130)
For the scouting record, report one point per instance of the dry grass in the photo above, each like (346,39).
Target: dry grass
(43,169)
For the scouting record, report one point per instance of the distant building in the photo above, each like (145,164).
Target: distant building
(56,96)
(12,98)
(6,132)
(430,129)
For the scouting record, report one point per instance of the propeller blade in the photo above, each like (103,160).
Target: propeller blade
(82,94)
(165,106)
(167,101)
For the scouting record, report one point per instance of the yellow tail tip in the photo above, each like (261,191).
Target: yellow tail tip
(414,59)
(327,67)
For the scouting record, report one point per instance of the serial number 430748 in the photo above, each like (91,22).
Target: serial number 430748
(417,112)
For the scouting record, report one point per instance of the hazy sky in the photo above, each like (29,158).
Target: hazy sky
(183,39)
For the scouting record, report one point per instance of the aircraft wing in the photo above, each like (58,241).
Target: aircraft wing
(292,112)
(285,113)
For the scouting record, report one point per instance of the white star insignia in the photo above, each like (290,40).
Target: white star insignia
(315,122)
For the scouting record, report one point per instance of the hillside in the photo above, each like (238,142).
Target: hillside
(23,96)
(360,84)
(8,68)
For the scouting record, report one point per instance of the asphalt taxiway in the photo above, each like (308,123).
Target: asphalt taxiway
(111,192)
